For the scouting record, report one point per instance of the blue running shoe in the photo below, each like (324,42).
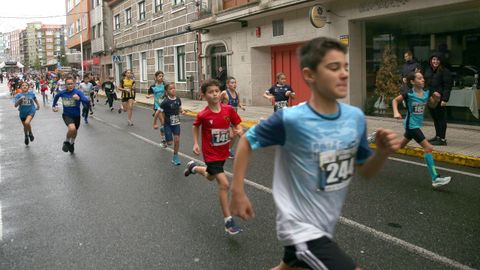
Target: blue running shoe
(231,228)
(176,160)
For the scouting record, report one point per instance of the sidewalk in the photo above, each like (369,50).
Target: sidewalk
(463,140)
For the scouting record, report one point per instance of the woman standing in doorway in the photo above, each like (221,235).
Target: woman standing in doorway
(127,87)
(439,79)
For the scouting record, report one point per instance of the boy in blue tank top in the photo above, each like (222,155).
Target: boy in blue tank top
(231,97)
(416,99)
(320,144)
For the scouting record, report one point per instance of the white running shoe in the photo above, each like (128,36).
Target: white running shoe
(441,181)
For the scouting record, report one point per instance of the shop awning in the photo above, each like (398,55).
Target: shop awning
(2,65)
(19,65)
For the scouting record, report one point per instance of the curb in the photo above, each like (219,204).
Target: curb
(456,159)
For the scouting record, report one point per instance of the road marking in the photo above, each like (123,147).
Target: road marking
(1,223)
(345,221)
(438,168)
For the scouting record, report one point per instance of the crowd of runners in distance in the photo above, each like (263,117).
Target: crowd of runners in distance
(321,143)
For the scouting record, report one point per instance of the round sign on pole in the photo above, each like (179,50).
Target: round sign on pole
(318,17)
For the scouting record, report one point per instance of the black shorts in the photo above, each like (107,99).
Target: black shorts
(71,120)
(415,134)
(125,99)
(215,167)
(318,254)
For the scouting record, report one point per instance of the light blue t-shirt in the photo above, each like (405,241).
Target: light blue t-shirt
(28,104)
(314,163)
(415,108)
(158,93)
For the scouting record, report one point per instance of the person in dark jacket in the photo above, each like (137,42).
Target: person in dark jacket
(410,66)
(438,79)
(222,78)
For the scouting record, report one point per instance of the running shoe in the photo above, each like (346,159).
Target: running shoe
(441,181)
(189,170)
(111,109)
(439,141)
(231,228)
(176,160)
(163,144)
(119,110)
(91,113)
(30,135)
(71,148)
(26,139)
(66,146)
(232,154)
(86,121)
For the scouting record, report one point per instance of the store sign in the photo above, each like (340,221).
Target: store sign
(372,5)
(318,16)
(117,58)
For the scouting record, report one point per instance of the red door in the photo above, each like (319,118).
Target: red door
(284,59)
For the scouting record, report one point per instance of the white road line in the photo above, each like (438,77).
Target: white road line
(1,223)
(438,168)
(345,221)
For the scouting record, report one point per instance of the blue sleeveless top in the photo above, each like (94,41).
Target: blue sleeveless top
(232,101)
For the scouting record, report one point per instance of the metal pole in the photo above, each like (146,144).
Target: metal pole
(81,52)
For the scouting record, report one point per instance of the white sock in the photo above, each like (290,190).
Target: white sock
(227,219)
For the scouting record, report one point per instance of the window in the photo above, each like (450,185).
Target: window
(141,10)
(116,22)
(143,66)
(178,2)
(159,60)
(78,25)
(49,40)
(181,63)
(157,5)
(277,27)
(99,30)
(129,62)
(84,21)
(93,32)
(98,2)
(77,2)
(71,29)
(49,33)
(128,16)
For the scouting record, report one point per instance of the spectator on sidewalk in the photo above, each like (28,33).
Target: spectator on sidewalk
(410,65)
(438,79)
(222,78)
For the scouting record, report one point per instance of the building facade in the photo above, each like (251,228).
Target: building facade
(3,47)
(79,31)
(13,45)
(152,35)
(51,44)
(102,38)
(255,39)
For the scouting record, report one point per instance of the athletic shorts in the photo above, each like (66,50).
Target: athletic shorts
(71,120)
(125,99)
(318,254)
(415,134)
(23,117)
(170,130)
(215,167)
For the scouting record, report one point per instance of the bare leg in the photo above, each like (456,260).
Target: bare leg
(223,188)
(176,144)
(26,124)
(130,111)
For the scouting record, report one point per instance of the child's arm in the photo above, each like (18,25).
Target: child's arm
(196,135)
(268,96)
(240,204)
(434,99)
(224,97)
(395,102)
(19,101)
(239,103)
(238,130)
(387,143)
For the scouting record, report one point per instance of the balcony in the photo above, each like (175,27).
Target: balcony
(213,13)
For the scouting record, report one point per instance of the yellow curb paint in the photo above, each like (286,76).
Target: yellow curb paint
(451,158)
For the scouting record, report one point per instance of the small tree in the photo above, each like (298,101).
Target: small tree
(388,79)
(37,64)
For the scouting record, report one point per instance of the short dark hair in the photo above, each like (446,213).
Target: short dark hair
(208,83)
(158,73)
(411,76)
(408,52)
(231,78)
(312,53)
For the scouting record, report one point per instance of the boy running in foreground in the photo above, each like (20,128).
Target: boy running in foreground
(215,120)
(320,144)
(71,99)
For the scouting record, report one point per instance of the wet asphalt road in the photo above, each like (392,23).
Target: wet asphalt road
(118,203)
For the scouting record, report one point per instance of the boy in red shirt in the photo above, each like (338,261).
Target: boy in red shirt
(215,120)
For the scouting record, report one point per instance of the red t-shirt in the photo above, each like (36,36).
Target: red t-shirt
(215,133)
(43,86)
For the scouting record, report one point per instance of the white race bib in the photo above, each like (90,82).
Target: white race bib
(174,120)
(27,101)
(68,102)
(338,167)
(281,104)
(220,136)
(418,108)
